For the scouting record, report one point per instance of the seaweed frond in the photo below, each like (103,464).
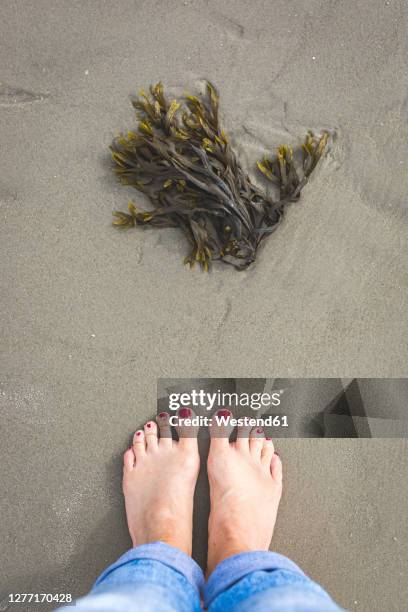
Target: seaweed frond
(181,159)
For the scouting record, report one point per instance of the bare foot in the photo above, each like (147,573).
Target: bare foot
(159,478)
(245,489)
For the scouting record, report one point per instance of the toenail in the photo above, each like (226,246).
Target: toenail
(259,430)
(184,413)
(276,453)
(162,415)
(138,433)
(268,439)
(224,413)
(149,425)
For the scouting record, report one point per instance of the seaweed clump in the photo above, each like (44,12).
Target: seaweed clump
(182,160)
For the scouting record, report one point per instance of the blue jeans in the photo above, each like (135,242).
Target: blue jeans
(159,578)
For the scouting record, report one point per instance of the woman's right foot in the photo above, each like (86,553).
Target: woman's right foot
(245,489)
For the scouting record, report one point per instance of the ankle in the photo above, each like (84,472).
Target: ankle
(185,547)
(218,552)
(166,538)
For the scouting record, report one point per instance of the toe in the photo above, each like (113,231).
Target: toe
(128,460)
(139,444)
(276,468)
(150,431)
(267,451)
(256,441)
(186,431)
(221,428)
(242,441)
(164,429)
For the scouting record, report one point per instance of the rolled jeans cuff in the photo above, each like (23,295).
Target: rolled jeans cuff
(172,557)
(231,570)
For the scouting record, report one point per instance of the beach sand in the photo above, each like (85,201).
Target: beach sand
(91,317)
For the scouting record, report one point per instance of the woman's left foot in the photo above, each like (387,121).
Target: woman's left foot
(159,478)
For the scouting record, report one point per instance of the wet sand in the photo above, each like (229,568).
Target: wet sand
(91,317)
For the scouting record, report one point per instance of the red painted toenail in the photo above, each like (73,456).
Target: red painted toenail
(149,425)
(224,413)
(162,415)
(259,430)
(138,433)
(268,439)
(184,413)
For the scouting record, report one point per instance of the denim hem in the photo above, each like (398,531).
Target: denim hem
(232,569)
(163,553)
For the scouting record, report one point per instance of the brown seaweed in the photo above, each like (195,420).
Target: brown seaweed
(182,160)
